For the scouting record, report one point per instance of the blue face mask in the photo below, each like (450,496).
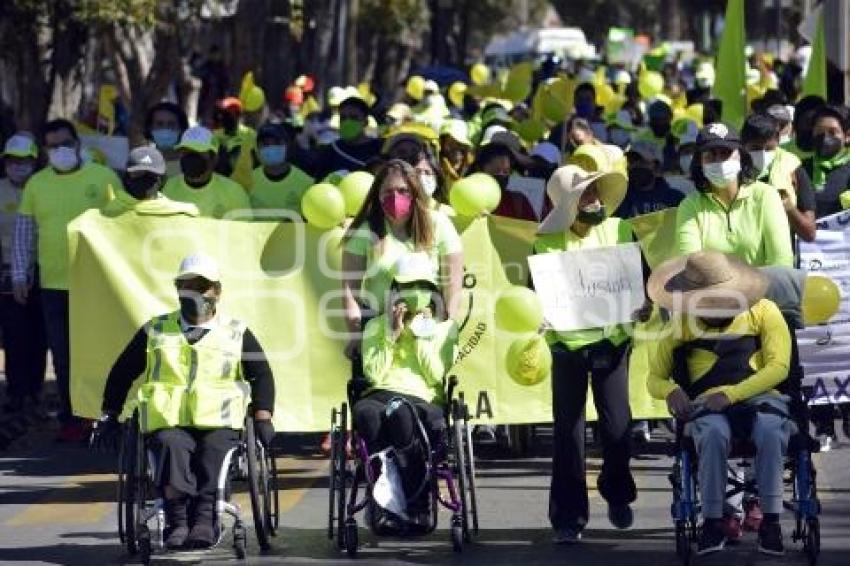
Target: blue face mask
(273,154)
(165,138)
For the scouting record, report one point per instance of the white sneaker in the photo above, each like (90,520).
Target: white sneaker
(825,442)
(640,431)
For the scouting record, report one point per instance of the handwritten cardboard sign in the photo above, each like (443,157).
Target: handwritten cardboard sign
(590,288)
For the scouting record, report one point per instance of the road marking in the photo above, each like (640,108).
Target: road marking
(47,511)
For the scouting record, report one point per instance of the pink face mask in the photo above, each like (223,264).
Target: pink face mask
(396,205)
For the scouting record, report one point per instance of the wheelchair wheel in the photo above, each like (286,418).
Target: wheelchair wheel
(336,476)
(458,536)
(683,543)
(465,468)
(811,543)
(350,535)
(274,510)
(258,486)
(132,488)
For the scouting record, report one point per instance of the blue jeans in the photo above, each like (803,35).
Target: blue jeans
(54,304)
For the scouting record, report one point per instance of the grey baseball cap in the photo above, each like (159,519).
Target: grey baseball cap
(146,159)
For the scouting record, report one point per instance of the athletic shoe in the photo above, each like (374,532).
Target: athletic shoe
(752,516)
(567,535)
(640,432)
(770,539)
(826,441)
(732,528)
(712,537)
(621,516)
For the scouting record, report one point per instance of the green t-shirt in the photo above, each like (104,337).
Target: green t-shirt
(53,200)
(381,258)
(611,232)
(284,194)
(754,228)
(219,198)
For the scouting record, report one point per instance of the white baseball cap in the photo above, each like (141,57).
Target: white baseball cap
(20,145)
(199,265)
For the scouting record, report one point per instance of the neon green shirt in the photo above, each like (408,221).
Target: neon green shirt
(382,257)
(769,363)
(216,199)
(409,365)
(284,194)
(754,228)
(53,201)
(611,232)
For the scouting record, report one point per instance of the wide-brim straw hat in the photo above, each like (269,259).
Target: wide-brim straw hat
(565,187)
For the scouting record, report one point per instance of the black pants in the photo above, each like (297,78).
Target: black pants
(190,459)
(399,431)
(55,306)
(607,365)
(25,344)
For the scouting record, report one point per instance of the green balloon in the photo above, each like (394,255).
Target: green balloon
(529,360)
(323,206)
(355,188)
(518,310)
(475,195)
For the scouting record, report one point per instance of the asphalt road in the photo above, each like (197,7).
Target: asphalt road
(57,507)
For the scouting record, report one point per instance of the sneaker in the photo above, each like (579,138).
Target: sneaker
(621,516)
(732,529)
(567,535)
(640,432)
(711,537)
(752,516)
(770,539)
(826,441)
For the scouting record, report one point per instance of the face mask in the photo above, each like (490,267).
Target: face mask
(165,138)
(620,138)
(641,177)
(397,206)
(591,215)
(18,173)
(63,158)
(273,155)
(762,159)
(141,187)
(502,180)
(194,307)
(415,299)
(685,163)
(193,165)
(350,129)
(827,147)
(721,174)
(429,184)
(585,108)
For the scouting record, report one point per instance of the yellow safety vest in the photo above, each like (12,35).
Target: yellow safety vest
(196,385)
(781,174)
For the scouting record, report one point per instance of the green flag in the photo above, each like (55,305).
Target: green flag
(731,84)
(815,81)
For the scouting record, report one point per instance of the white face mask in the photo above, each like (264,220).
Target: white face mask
(429,184)
(685,163)
(762,159)
(63,158)
(721,174)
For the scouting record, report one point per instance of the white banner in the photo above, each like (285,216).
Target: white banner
(825,349)
(590,288)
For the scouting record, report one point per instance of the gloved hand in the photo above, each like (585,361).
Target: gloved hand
(106,434)
(265,431)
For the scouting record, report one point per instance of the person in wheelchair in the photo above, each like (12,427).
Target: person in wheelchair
(726,352)
(406,353)
(193,400)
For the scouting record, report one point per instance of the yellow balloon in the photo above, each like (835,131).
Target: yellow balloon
(518,84)
(529,360)
(650,84)
(456,92)
(821,299)
(554,108)
(254,99)
(355,188)
(415,87)
(518,310)
(474,195)
(323,206)
(480,74)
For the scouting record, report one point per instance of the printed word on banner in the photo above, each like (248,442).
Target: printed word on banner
(825,349)
(590,288)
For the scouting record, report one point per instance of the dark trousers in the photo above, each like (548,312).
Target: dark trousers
(54,303)
(398,430)
(607,366)
(190,459)
(25,345)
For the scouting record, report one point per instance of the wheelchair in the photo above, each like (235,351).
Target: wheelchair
(450,462)
(800,478)
(139,504)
